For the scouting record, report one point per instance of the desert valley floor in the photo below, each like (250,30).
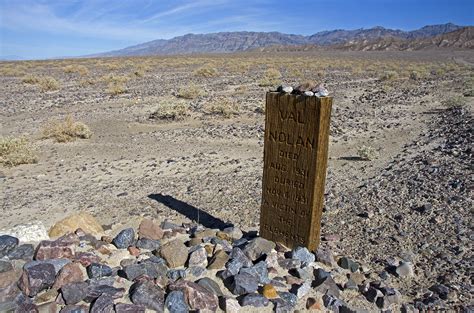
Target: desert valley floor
(412,201)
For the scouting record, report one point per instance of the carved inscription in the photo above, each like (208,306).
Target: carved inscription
(296,139)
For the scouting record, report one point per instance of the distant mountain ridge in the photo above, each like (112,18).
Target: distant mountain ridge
(242,41)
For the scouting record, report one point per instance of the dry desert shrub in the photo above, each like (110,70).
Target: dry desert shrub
(223,107)
(111,78)
(367,153)
(30,79)
(86,82)
(16,151)
(75,68)
(190,92)
(48,83)
(271,77)
(206,71)
(12,71)
(389,75)
(116,88)
(171,109)
(454,101)
(67,130)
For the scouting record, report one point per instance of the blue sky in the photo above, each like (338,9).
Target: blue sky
(48,28)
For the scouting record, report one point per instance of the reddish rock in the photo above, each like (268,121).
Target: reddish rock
(106,239)
(87,258)
(197,297)
(149,229)
(134,251)
(37,278)
(291,280)
(62,248)
(313,304)
(69,273)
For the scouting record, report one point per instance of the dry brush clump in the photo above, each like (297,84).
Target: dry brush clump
(171,109)
(222,106)
(16,151)
(271,77)
(67,130)
(190,92)
(367,153)
(46,83)
(76,69)
(206,71)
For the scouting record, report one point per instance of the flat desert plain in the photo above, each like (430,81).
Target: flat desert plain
(181,137)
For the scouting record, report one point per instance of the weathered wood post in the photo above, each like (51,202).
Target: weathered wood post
(294,171)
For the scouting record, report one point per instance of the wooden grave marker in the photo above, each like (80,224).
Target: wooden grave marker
(294,171)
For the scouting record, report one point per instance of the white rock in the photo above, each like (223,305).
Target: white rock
(309,93)
(405,269)
(288,89)
(232,305)
(30,232)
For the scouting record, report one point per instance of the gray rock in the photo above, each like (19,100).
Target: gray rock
(244,283)
(441,290)
(7,244)
(281,306)
(258,247)
(22,252)
(255,300)
(336,305)
(289,298)
(198,258)
(96,270)
(149,295)
(95,290)
(174,274)
(303,254)
(58,264)
(348,264)
(390,296)
(320,276)
(259,271)
(74,293)
(302,273)
(74,309)
(210,285)
(234,232)
(103,304)
(285,89)
(5,266)
(372,294)
(149,244)
(237,260)
(303,289)
(328,286)
(128,308)
(150,269)
(176,303)
(37,278)
(196,271)
(124,239)
(289,263)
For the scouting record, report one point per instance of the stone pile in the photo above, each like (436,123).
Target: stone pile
(181,268)
(307,89)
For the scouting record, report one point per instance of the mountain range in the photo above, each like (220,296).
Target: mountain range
(376,38)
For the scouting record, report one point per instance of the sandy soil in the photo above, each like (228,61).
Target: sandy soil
(210,167)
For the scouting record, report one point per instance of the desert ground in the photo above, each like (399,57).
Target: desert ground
(181,137)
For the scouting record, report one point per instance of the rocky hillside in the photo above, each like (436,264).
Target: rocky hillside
(460,39)
(242,41)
